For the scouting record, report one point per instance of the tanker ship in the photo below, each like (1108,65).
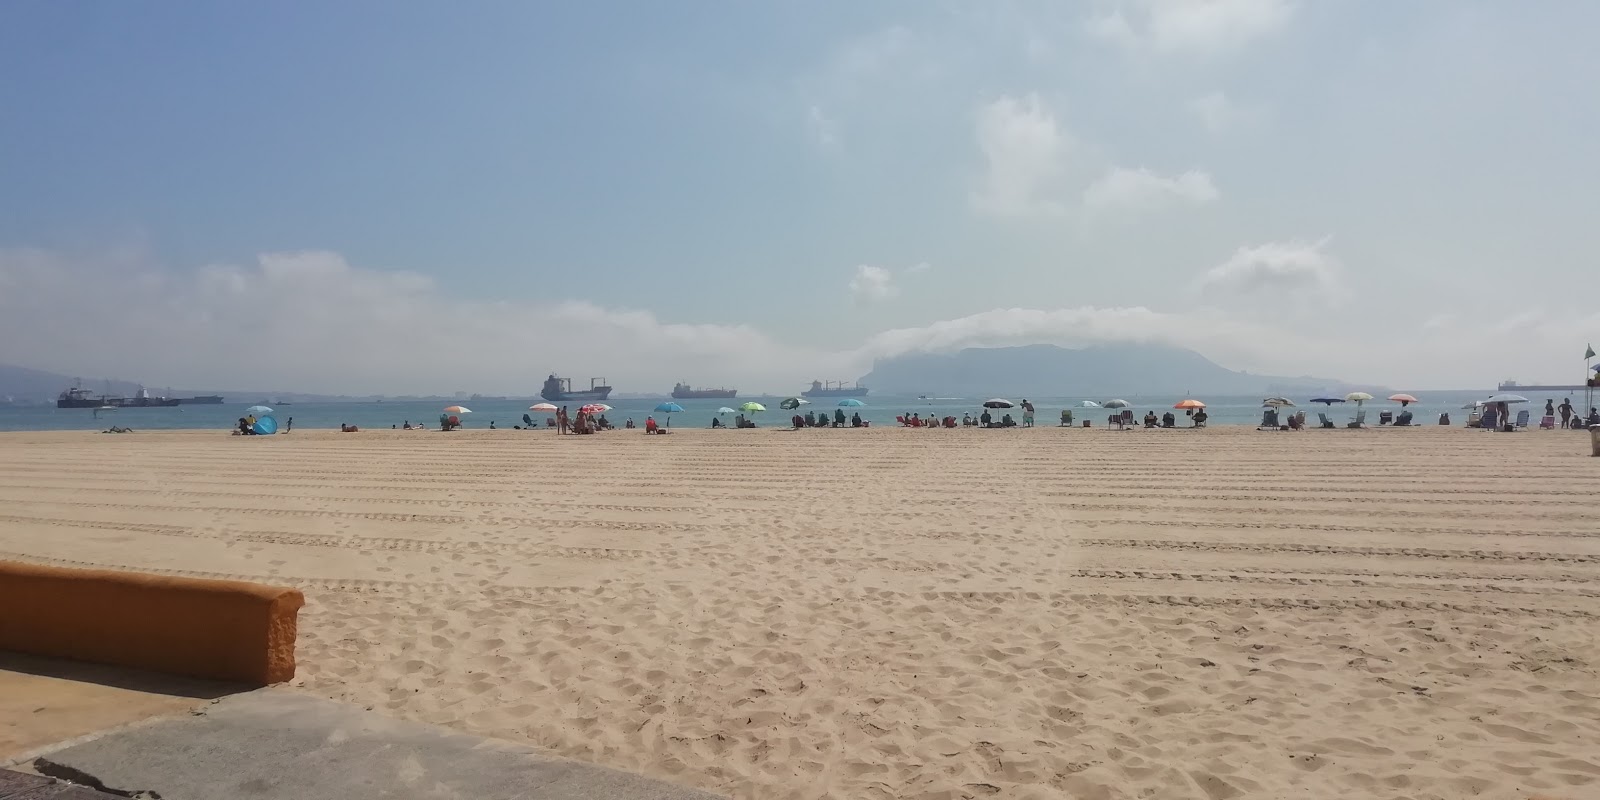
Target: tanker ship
(684,391)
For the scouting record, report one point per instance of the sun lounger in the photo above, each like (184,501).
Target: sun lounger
(1522,418)
(1269,420)
(1548,422)
(1360,421)
(1385,418)
(1323,416)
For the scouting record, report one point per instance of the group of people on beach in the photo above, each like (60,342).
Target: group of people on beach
(1569,415)
(819,419)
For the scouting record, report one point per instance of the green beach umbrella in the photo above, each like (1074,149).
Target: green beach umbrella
(752,407)
(793,403)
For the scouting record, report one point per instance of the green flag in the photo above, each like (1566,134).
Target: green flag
(1589,353)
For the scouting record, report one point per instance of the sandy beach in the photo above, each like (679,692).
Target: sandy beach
(1039,613)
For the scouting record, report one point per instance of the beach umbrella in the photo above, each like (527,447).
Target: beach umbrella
(457,410)
(259,411)
(1327,401)
(724,410)
(851,402)
(752,407)
(1597,368)
(669,409)
(1358,398)
(547,408)
(1507,398)
(1116,404)
(1403,399)
(1189,403)
(1088,404)
(998,402)
(1278,402)
(595,408)
(793,403)
(1473,406)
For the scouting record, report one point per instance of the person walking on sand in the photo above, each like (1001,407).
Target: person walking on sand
(289,427)
(1566,413)
(561,420)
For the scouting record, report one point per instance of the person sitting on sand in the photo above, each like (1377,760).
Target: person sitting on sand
(343,428)
(1593,419)
(716,422)
(985,419)
(629,424)
(649,424)
(838,418)
(1150,420)
(603,423)
(244,427)
(855,420)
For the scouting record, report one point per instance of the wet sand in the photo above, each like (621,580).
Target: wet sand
(876,613)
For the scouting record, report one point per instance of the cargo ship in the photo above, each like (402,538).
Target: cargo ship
(832,389)
(80,398)
(201,400)
(559,390)
(684,391)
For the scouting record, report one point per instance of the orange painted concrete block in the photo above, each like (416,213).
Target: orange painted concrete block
(225,630)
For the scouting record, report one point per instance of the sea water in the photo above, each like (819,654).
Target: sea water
(881,411)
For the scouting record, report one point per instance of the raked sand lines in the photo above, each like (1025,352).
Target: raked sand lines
(887,613)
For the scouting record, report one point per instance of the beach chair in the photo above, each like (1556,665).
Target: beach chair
(1323,416)
(1066,418)
(1548,422)
(1269,420)
(1360,421)
(1385,418)
(1522,418)
(1404,420)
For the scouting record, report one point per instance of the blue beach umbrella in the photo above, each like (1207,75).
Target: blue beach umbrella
(669,409)
(851,402)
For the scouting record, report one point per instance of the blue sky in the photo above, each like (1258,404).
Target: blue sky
(763,193)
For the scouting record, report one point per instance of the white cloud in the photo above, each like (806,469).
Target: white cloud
(1289,269)
(824,129)
(1219,114)
(312,322)
(1023,151)
(873,283)
(1190,26)
(1141,189)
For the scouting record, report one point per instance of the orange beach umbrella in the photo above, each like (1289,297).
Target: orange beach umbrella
(1190,403)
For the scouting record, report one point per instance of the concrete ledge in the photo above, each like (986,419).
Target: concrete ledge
(223,630)
(273,744)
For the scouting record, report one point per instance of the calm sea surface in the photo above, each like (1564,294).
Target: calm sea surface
(697,413)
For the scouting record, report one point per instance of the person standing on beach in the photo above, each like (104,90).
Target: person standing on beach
(1550,408)
(290,426)
(1566,412)
(561,420)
